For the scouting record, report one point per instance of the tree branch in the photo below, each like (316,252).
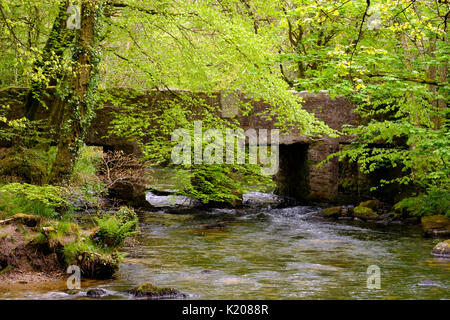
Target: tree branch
(360,32)
(403,78)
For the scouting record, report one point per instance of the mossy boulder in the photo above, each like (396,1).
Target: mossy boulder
(442,249)
(95,265)
(372,204)
(365,213)
(436,226)
(332,212)
(149,291)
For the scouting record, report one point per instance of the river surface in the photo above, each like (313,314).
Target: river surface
(268,253)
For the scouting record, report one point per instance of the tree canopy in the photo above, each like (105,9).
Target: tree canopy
(390,57)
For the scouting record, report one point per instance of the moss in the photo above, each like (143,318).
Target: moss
(348,184)
(6,270)
(94,262)
(436,221)
(332,212)
(25,219)
(148,290)
(437,225)
(372,204)
(99,266)
(365,213)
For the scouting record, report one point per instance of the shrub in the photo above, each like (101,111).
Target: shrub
(125,214)
(113,229)
(435,201)
(120,168)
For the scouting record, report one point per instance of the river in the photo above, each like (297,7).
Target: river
(268,253)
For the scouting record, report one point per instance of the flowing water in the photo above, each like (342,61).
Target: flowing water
(269,254)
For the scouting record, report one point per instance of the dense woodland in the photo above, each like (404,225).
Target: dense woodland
(390,58)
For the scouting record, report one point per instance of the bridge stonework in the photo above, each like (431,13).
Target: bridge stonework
(298,176)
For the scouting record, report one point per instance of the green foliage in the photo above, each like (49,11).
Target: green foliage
(23,132)
(30,165)
(216,183)
(113,229)
(86,185)
(31,156)
(396,72)
(72,250)
(126,214)
(46,201)
(52,196)
(390,57)
(152,128)
(66,227)
(434,202)
(87,165)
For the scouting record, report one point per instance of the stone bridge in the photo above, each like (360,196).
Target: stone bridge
(297,177)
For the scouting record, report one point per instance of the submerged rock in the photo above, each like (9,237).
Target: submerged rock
(218,225)
(149,291)
(170,201)
(436,226)
(207,271)
(96,293)
(442,249)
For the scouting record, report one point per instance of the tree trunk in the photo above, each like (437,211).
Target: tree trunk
(57,42)
(77,110)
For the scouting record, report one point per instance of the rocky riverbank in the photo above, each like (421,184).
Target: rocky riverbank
(33,248)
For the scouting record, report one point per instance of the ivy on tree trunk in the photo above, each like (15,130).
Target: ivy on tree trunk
(80,98)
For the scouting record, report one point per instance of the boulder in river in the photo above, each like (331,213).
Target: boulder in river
(149,291)
(261,199)
(436,226)
(365,213)
(96,293)
(442,249)
(372,204)
(332,212)
(171,201)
